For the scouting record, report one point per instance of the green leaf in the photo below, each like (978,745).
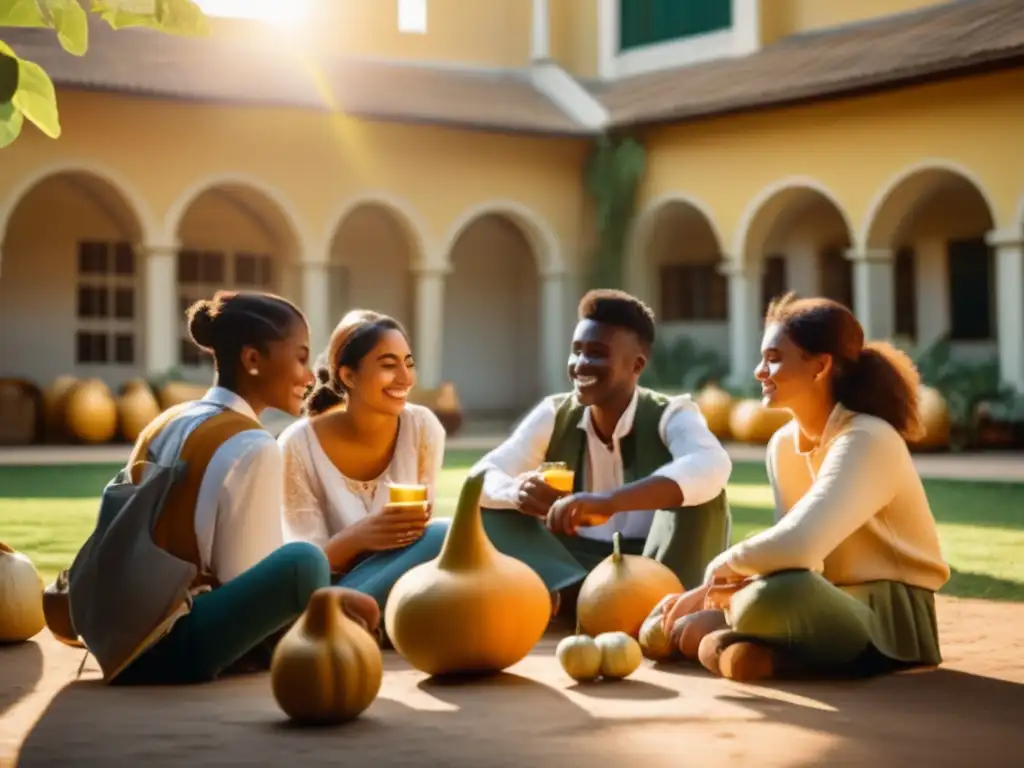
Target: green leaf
(37,98)
(71,23)
(21,13)
(174,17)
(11,121)
(8,73)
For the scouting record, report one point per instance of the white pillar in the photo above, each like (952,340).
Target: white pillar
(1010,304)
(162,311)
(874,291)
(744,319)
(540,49)
(553,341)
(429,330)
(316,304)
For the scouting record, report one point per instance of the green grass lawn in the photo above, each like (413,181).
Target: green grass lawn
(47,512)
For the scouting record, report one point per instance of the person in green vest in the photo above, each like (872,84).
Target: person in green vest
(645,465)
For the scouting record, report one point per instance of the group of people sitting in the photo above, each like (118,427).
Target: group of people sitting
(843,581)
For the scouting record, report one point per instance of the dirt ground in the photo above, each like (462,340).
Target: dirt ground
(969,711)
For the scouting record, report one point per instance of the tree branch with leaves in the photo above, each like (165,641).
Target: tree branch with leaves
(26,90)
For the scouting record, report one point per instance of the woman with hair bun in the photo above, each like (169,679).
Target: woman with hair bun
(844,582)
(224,515)
(359,437)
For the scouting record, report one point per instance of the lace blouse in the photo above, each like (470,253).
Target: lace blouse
(320,501)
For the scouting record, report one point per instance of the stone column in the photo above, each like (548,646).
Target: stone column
(316,303)
(553,337)
(874,295)
(540,50)
(744,319)
(429,350)
(162,316)
(1009,253)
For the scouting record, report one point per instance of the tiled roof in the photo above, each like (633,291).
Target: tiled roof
(940,41)
(251,66)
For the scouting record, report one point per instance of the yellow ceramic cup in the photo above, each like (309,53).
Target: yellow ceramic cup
(558,475)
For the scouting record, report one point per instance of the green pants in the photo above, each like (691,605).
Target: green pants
(229,622)
(824,627)
(683,542)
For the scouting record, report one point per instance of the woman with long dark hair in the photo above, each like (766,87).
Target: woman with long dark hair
(845,580)
(361,436)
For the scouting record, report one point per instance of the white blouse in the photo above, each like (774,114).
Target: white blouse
(319,501)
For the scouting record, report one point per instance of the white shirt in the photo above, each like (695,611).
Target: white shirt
(238,510)
(700,465)
(319,501)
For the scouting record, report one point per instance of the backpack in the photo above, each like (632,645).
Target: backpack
(125,591)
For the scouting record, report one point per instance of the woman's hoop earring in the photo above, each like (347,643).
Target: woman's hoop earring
(253,372)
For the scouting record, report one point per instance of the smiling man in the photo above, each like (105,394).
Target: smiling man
(645,464)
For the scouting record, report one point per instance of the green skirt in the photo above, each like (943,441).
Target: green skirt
(835,627)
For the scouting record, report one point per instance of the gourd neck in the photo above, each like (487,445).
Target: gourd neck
(617,548)
(466,546)
(4,549)
(323,614)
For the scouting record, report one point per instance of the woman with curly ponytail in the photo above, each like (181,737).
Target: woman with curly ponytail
(845,580)
(359,436)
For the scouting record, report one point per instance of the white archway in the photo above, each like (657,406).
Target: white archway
(504,310)
(910,182)
(132,198)
(779,194)
(404,213)
(641,224)
(289,213)
(74,273)
(542,238)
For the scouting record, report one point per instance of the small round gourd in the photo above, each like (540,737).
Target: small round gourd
(21,597)
(620,655)
(91,412)
(621,592)
(57,611)
(716,406)
(655,643)
(328,668)
(472,609)
(580,657)
(751,422)
(136,408)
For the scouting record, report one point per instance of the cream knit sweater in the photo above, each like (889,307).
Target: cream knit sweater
(851,507)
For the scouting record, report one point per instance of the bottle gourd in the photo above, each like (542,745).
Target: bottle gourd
(472,609)
(328,667)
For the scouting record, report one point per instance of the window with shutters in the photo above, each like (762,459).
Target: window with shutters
(971,289)
(693,293)
(647,22)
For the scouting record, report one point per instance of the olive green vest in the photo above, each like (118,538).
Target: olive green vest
(685,539)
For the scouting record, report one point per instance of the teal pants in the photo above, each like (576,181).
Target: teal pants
(820,627)
(227,623)
(377,574)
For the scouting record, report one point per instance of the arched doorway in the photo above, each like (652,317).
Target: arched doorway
(232,236)
(371,256)
(932,224)
(676,269)
(794,237)
(72,277)
(492,349)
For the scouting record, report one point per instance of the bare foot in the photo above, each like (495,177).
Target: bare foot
(690,630)
(726,654)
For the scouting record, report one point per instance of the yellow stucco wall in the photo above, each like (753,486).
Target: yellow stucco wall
(780,18)
(491,33)
(574,35)
(315,165)
(854,150)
